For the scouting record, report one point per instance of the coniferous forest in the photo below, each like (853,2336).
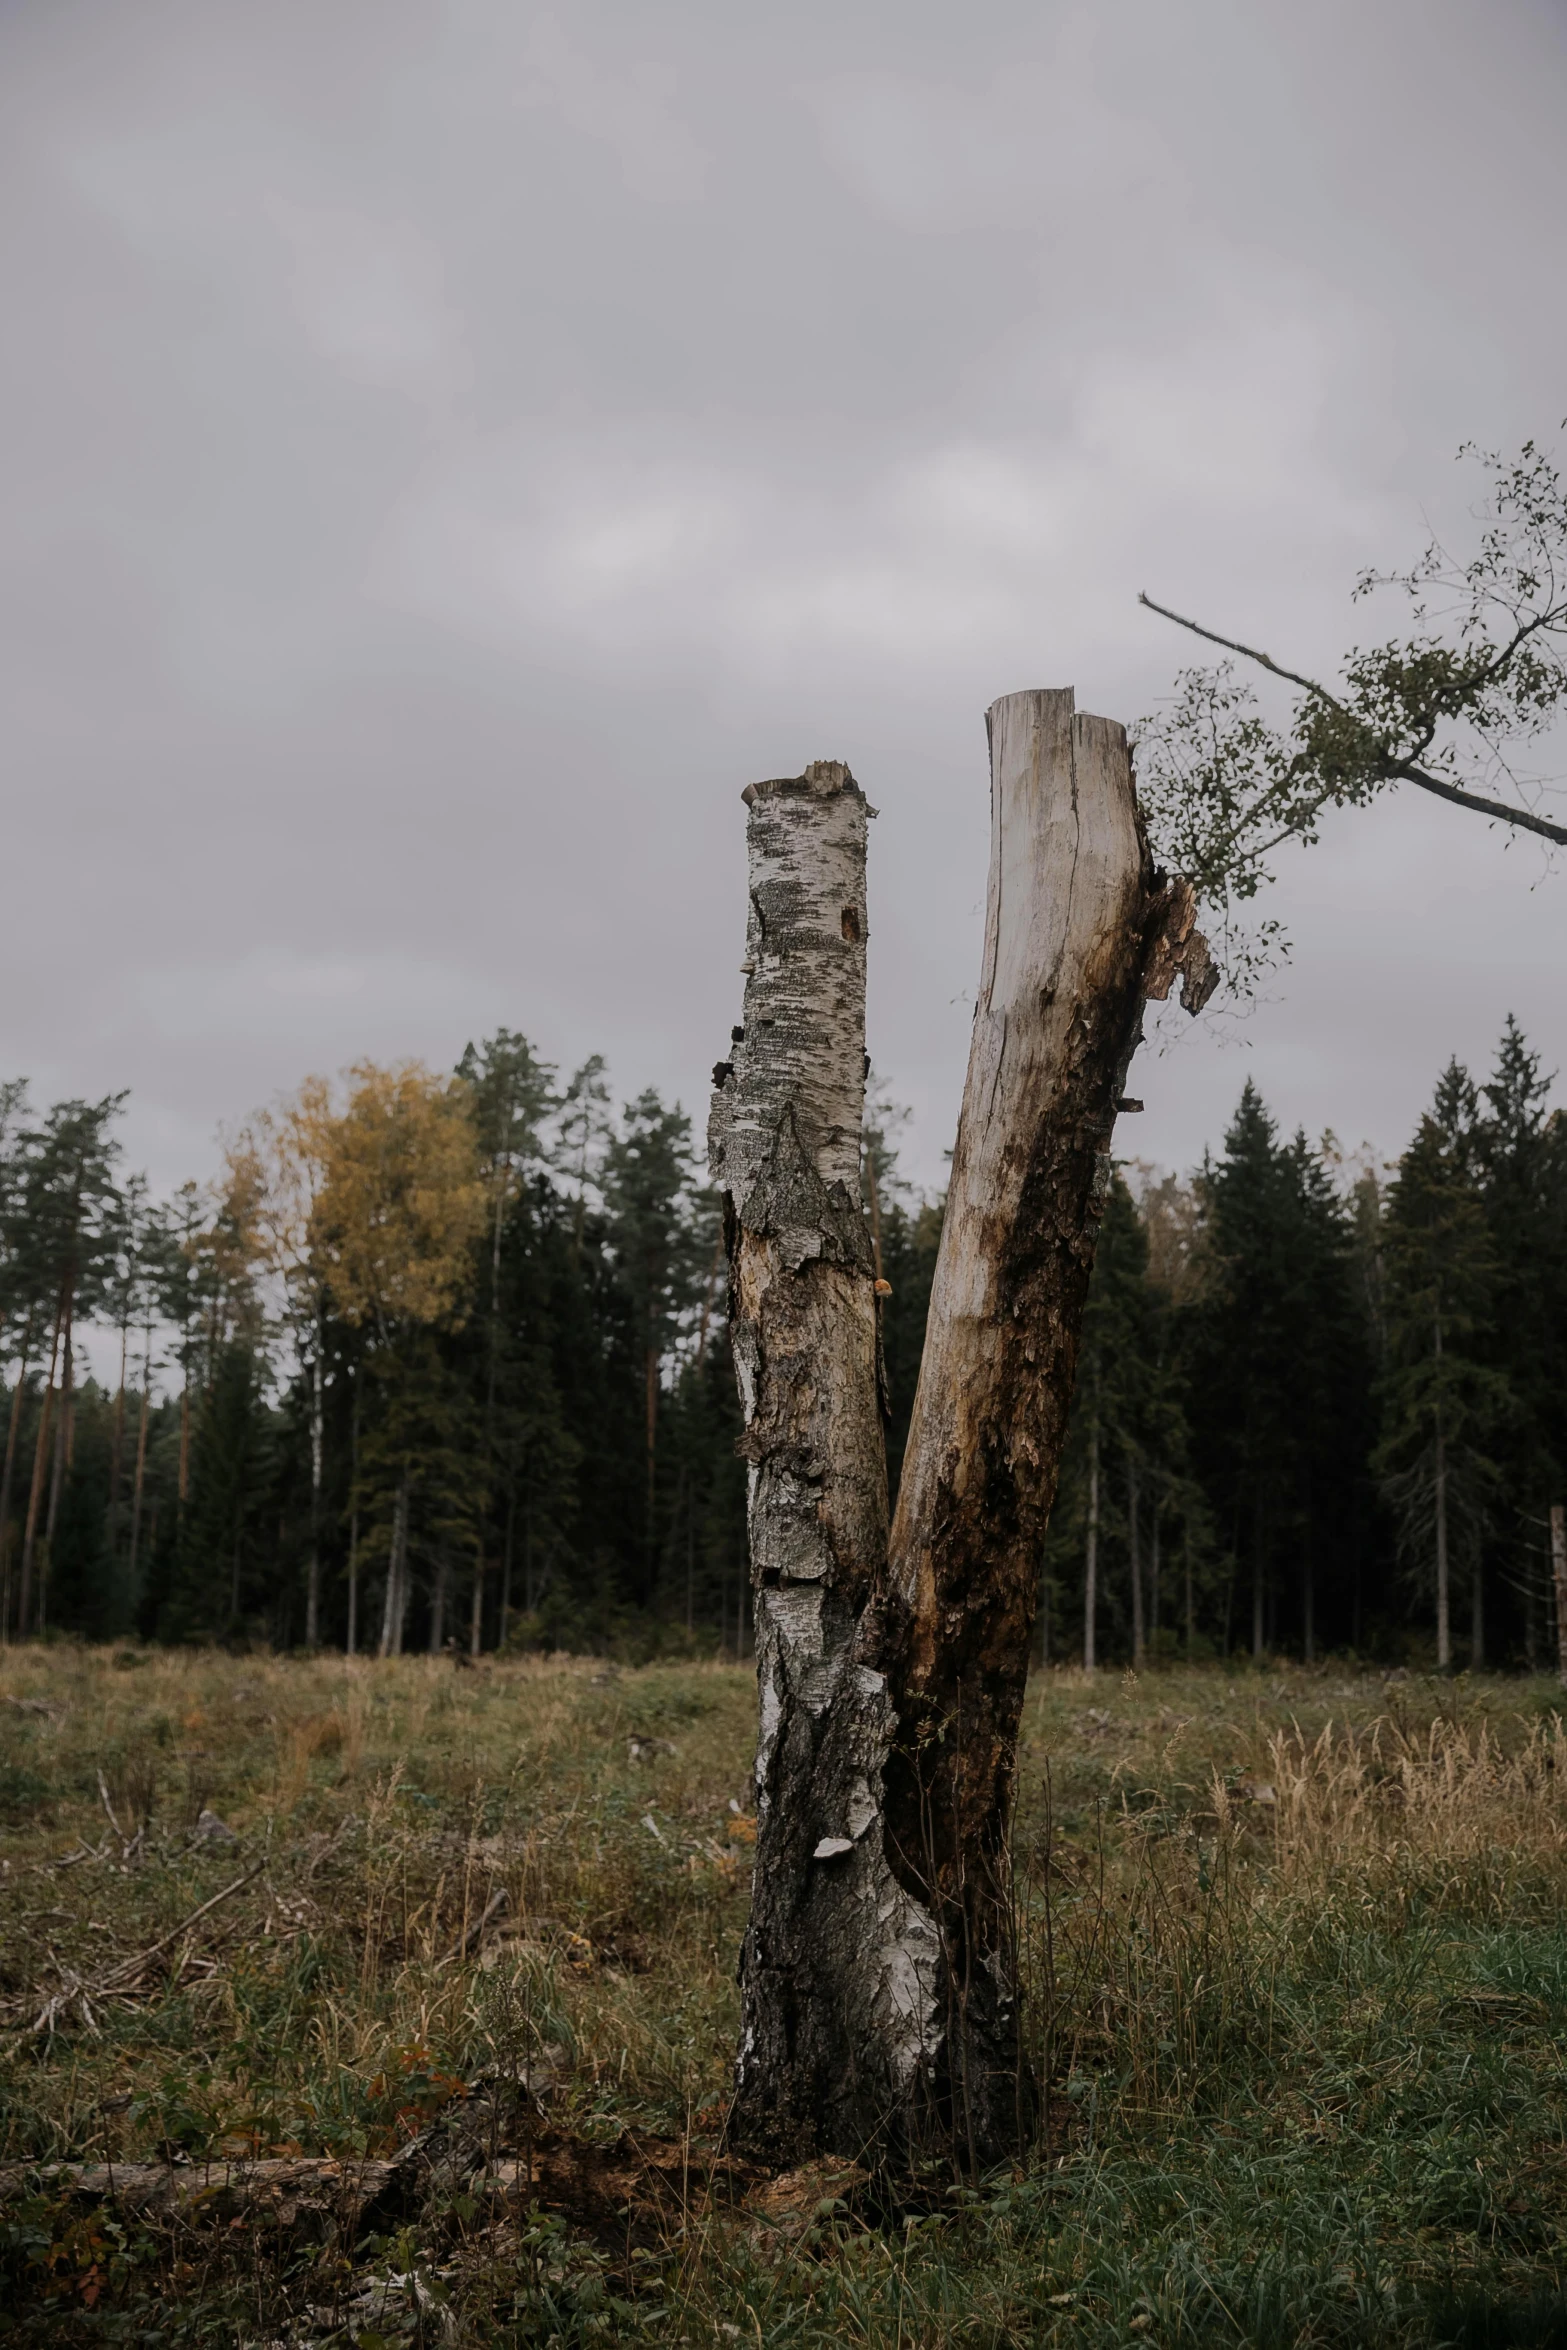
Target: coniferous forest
(441,1362)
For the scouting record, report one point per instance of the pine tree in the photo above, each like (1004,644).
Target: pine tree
(65,1221)
(1332,1424)
(1244,1357)
(661,1242)
(1520,1150)
(1443,1404)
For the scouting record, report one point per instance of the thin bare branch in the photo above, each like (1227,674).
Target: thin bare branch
(1250,653)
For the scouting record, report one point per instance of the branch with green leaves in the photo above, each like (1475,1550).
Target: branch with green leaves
(1447,708)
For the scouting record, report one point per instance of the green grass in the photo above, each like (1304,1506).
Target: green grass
(1306,2054)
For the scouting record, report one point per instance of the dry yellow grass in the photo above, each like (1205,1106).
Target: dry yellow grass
(1265,1912)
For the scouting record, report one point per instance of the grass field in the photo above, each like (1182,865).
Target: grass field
(1298,1947)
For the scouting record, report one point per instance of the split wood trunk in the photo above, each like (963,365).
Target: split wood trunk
(878,1973)
(1079,930)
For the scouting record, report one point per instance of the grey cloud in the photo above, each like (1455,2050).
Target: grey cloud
(445,453)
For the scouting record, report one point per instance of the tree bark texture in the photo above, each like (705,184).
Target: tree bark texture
(1079,930)
(837,1970)
(878,1978)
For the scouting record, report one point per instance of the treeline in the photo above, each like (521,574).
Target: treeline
(439,1361)
(1325,1407)
(443,1361)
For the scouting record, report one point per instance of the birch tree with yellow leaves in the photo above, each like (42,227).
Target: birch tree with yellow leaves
(392,1232)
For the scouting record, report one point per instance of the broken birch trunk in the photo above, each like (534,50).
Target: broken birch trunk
(878,1973)
(833,2019)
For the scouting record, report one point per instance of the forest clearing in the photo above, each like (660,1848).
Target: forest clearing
(783,1177)
(448,1956)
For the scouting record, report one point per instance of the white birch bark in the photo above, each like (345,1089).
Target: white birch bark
(837,1966)
(878,1981)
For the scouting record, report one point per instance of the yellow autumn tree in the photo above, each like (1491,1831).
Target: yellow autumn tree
(401,1200)
(397,1207)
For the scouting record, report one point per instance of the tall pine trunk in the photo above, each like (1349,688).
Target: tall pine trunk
(117,1442)
(7,1477)
(139,1477)
(438,1600)
(1134,1498)
(1091,1554)
(62,1460)
(35,1490)
(1444,1634)
(650,1398)
(317,1448)
(351,1643)
(394,1608)
(1308,1601)
(1153,1568)
(476,1599)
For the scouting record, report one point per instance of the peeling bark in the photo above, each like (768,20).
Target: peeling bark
(879,2001)
(837,1968)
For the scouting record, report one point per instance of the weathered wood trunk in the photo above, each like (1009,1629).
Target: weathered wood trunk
(836,1980)
(1079,929)
(878,1973)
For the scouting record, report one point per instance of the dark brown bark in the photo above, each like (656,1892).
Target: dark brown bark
(1080,930)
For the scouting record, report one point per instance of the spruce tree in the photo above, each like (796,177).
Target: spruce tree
(1245,1358)
(1443,1403)
(1520,1154)
(660,1239)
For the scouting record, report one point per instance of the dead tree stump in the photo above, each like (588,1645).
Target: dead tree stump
(878,1973)
(833,2007)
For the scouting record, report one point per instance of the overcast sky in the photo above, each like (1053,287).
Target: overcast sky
(447,450)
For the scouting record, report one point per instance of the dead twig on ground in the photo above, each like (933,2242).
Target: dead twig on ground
(124,1981)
